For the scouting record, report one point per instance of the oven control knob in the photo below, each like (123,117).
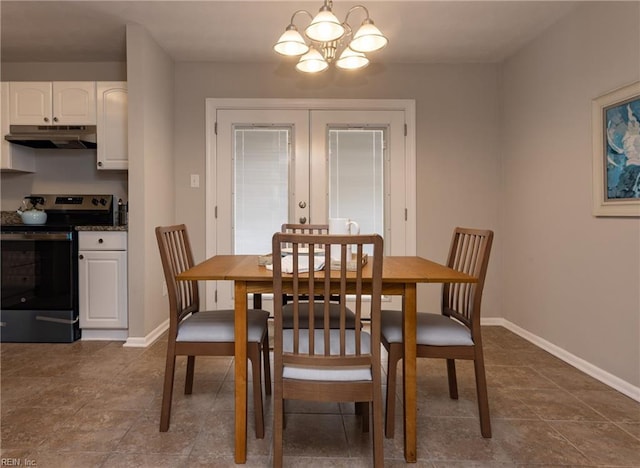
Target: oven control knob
(103,202)
(94,201)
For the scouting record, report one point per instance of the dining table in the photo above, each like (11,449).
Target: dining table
(400,276)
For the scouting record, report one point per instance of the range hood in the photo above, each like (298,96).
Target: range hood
(53,136)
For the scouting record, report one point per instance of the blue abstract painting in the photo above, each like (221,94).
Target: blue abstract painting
(622,123)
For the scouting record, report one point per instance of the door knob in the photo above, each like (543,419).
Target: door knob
(302,204)
(303,219)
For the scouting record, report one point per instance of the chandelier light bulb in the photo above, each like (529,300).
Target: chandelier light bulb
(312,62)
(352,60)
(291,43)
(325,27)
(368,38)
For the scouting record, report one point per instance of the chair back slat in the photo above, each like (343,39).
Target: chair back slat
(469,253)
(320,344)
(176,256)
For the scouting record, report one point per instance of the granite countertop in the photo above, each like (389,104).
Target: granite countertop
(11,217)
(101,228)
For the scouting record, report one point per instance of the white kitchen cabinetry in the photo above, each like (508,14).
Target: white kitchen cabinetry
(102,270)
(53,103)
(14,158)
(112,125)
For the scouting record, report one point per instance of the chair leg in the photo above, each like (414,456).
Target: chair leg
(362,409)
(378,442)
(278,425)
(453,381)
(482,395)
(167,392)
(395,354)
(188,380)
(253,352)
(267,364)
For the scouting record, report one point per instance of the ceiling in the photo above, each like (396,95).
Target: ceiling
(244,31)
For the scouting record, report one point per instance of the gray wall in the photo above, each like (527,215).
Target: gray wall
(151,191)
(568,277)
(458,177)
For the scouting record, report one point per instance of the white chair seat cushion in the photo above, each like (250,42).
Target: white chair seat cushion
(216,326)
(334,315)
(432,329)
(350,374)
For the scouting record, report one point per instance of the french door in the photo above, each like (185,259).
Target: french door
(269,166)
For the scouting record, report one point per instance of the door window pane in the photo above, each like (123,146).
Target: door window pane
(261,186)
(356,177)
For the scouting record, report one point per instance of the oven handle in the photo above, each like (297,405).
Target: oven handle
(31,236)
(56,320)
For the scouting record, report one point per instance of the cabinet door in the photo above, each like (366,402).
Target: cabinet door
(14,157)
(112,127)
(103,289)
(74,103)
(30,103)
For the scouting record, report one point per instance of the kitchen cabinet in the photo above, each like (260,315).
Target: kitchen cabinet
(13,158)
(52,103)
(102,282)
(112,125)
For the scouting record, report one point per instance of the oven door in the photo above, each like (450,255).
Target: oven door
(39,287)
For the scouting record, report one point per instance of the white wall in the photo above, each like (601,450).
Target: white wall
(457,142)
(568,277)
(151,190)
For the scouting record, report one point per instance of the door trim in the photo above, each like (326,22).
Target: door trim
(214,104)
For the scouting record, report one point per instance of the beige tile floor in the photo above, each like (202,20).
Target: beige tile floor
(96,404)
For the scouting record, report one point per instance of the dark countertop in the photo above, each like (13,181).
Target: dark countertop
(13,218)
(102,228)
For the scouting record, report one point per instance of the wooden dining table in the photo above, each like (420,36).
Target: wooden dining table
(400,277)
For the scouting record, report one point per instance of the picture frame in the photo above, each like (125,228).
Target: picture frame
(616,152)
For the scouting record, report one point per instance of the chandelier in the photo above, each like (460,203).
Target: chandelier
(326,36)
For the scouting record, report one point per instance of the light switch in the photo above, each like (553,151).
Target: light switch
(195,180)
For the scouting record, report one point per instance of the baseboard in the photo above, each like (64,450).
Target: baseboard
(148,340)
(104,335)
(603,376)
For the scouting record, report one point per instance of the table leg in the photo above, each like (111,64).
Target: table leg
(409,362)
(241,371)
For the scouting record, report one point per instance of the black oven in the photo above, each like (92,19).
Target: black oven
(39,270)
(39,286)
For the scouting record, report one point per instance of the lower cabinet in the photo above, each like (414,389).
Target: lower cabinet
(102,271)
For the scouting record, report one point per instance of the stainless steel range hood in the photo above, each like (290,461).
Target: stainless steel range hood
(53,136)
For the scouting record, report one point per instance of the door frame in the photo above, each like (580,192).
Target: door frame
(215,104)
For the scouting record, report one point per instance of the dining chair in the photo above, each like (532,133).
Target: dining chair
(204,333)
(320,362)
(334,306)
(452,334)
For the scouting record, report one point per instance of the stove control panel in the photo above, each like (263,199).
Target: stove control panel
(62,203)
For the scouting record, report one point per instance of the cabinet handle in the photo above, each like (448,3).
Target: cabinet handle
(100,241)
(99,163)
(55,119)
(81,257)
(46,119)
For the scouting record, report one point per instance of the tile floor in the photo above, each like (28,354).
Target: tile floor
(96,404)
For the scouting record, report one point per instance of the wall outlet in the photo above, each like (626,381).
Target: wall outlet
(195,180)
(164,288)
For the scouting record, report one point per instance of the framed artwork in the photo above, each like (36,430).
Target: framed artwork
(616,152)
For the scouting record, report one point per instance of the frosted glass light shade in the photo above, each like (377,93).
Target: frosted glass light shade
(312,62)
(325,27)
(291,43)
(368,38)
(352,60)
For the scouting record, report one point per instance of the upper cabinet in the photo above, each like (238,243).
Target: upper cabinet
(112,125)
(53,103)
(13,158)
